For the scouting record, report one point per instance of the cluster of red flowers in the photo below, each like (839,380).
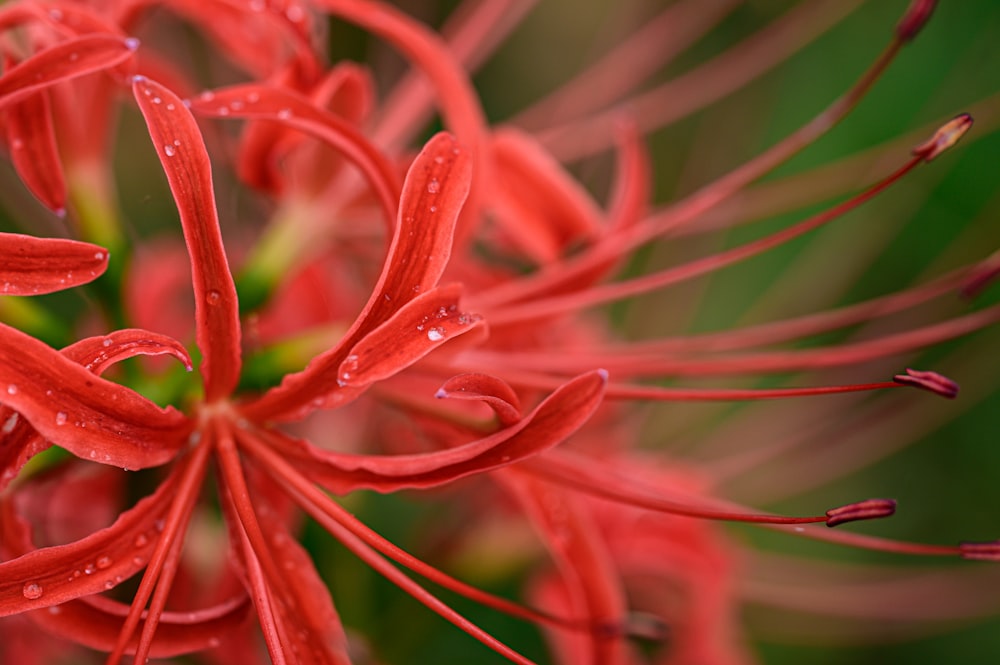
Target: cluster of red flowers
(400,318)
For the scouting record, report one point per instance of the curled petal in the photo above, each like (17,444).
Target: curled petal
(53,575)
(495,392)
(96,621)
(30,266)
(182,153)
(267,103)
(561,414)
(96,354)
(64,61)
(33,150)
(435,189)
(92,418)
(419,327)
(541,206)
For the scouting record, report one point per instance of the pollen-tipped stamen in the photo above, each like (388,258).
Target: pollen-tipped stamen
(571,471)
(862,510)
(988,551)
(930,381)
(945,137)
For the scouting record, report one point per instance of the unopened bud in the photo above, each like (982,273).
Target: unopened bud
(915,18)
(930,381)
(946,136)
(989,551)
(871,509)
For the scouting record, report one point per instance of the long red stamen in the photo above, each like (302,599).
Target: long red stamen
(163,561)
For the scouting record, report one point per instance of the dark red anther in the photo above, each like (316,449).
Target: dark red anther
(871,509)
(931,381)
(989,551)
(915,18)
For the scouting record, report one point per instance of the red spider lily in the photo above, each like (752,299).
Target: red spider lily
(489,261)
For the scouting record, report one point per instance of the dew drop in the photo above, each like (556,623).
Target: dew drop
(285,114)
(435,334)
(109,585)
(32,591)
(159,525)
(61,418)
(9,425)
(169,150)
(107,342)
(12,389)
(213,297)
(170,107)
(434,186)
(157,100)
(93,454)
(103,562)
(253,97)
(99,256)
(206,96)
(89,569)
(138,560)
(439,160)
(141,540)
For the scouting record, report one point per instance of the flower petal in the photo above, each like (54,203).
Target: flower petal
(540,206)
(96,621)
(96,354)
(30,265)
(558,416)
(33,150)
(433,193)
(419,327)
(92,418)
(53,575)
(182,153)
(267,103)
(495,392)
(66,60)
(20,441)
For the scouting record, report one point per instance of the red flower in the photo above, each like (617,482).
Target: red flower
(421,310)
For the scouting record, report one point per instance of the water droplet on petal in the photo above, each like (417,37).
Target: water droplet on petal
(141,540)
(9,425)
(12,389)
(169,150)
(285,114)
(434,186)
(435,334)
(32,591)
(89,569)
(103,562)
(213,297)
(61,418)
